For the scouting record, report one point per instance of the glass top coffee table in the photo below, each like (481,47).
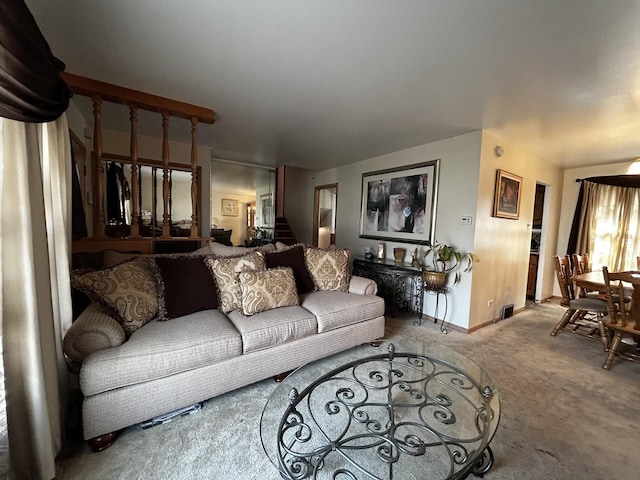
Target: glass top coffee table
(394,409)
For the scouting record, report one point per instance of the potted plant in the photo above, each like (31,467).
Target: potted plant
(440,259)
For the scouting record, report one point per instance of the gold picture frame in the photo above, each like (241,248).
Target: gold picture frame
(506,203)
(229,207)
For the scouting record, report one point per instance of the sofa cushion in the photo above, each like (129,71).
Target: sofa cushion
(338,309)
(185,285)
(267,289)
(129,291)
(273,327)
(161,349)
(225,270)
(293,258)
(328,268)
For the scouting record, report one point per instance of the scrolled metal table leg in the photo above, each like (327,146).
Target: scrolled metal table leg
(484,462)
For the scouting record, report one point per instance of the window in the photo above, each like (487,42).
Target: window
(610,228)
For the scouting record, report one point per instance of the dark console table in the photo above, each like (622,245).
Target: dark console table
(399,283)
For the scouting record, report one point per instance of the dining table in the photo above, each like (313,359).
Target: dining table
(594,281)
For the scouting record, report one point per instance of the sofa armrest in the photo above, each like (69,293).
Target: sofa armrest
(362,286)
(93,330)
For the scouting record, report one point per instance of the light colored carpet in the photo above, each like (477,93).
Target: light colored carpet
(563,416)
(4,435)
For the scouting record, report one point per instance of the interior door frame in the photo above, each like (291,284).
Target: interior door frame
(316,208)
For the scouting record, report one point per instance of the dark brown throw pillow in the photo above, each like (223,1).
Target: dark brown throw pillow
(185,286)
(294,258)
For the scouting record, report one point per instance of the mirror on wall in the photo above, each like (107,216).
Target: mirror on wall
(324,217)
(243,202)
(118,198)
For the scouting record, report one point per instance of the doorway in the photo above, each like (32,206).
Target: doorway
(325,207)
(536,247)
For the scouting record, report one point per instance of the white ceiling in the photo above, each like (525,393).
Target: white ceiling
(320,83)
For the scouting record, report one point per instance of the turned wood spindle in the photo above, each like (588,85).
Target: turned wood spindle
(194,178)
(98,187)
(166,227)
(135,225)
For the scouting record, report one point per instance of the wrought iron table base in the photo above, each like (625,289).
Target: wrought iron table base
(370,415)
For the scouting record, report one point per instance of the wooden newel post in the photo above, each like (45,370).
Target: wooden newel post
(135,225)
(98,187)
(166,227)
(194,178)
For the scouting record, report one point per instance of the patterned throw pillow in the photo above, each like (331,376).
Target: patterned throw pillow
(129,291)
(225,270)
(329,269)
(267,290)
(292,257)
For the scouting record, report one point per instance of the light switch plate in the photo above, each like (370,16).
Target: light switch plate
(466,220)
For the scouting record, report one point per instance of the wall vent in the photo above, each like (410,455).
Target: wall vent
(507,311)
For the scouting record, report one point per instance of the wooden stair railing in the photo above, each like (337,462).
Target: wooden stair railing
(134,99)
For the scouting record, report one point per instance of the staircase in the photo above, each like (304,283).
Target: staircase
(283,233)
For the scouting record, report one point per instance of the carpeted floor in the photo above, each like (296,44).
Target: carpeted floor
(563,416)
(4,436)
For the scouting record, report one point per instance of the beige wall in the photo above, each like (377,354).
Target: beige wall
(238,224)
(503,245)
(458,191)
(466,188)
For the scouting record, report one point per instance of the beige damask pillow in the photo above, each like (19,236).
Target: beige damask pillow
(225,270)
(268,289)
(329,269)
(129,291)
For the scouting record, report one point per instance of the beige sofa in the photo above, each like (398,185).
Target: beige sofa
(167,365)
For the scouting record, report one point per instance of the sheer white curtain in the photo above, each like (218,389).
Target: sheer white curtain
(35,201)
(610,226)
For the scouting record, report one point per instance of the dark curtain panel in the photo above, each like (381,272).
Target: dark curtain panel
(31,89)
(614,180)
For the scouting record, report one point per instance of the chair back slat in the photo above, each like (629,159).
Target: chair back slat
(614,291)
(581,263)
(563,273)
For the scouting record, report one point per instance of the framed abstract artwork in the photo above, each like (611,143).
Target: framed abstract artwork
(506,203)
(399,204)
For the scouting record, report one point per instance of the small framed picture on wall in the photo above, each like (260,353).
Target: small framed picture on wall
(506,203)
(229,207)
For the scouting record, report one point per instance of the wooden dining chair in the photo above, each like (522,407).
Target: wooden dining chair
(584,315)
(581,264)
(620,322)
(638,263)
